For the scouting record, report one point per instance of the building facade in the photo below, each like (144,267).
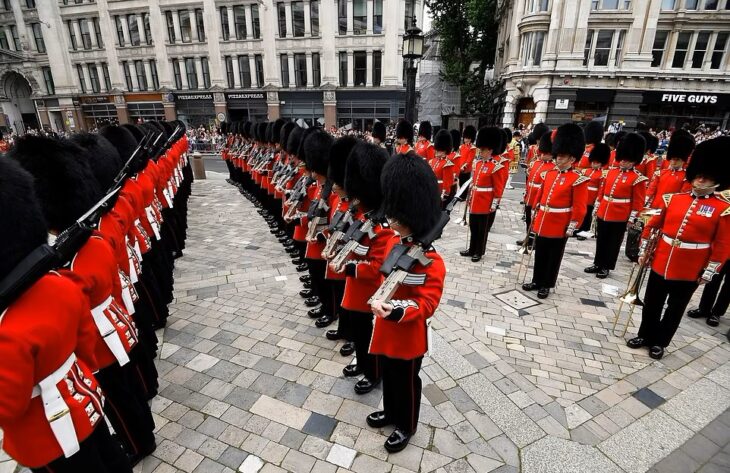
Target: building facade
(78,64)
(660,62)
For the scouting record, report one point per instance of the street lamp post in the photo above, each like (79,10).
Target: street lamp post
(412,52)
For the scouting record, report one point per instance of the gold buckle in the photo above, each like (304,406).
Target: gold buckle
(547,208)
(676,242)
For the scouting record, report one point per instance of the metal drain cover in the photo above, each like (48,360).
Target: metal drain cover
(516,300)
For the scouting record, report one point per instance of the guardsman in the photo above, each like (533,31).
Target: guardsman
(400,334)
(533,143)
(597,159)
(283,178)
(379,134)
(613,144)
(487,186)
(403,137)
(620,199)
(467,154)
(442,166)
(715,300)
(593,133)
(671,179)
(362,267)
(693,243)
(424,147)
(51,411)
(561,205)
(535,175)
(651,162)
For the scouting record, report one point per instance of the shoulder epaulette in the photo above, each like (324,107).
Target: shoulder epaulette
(604,173)
(581,180)
(497,167)
(658,172)
(640,178)
(667,198)
(724,195)
(726,212)
(448,163)
(543,174)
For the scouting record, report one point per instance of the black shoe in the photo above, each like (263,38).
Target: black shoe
(636,342)
(476,258)
(316,313)
(274,229)
(592,269)
(312,301)
(580,238)
(656,352)
(520,242)
(713,320)
(377,419)
(306,293)
(696,314)
(281,233)
(291,249)
(307,285)
(324,321)
(305,278)
(397,441)
(529,286)
(364,386)
(351,370)
(302,267)
(543,293)
(333,335)
(297,260)
(347,349)
(602,274)
(465,253)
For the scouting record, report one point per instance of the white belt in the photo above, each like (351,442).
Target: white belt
(56,409)
(555,210)
(127,297)
(108,331)
(484,189)
(536,186)
(593,188)
(439,181)
(615,200)
(685,246)
(153,221)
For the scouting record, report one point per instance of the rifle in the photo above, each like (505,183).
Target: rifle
(318,211)
(352,239)
(341,221)
(142,147)
(296,198)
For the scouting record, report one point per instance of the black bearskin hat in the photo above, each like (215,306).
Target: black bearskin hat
(410,193)
(276,130)
(681,145)
(648,139)
(103,158)
(261,131)
(507,140)
(610,139)
(539,130)
(470,132)
(122,139)
(166,128)
(404,129)
(546,143)
(301,152)
(269,132)
(442,141)
(338,158)
(618,137)
(135,131)
(631,148)
(593,132)
(600,154)
(490,137)
(284,134)
(379,131)
(710,160)
(64,184)
(362,174)
(244,129)
(569,140)
(292,143)
(455,139)
(317,150)
(25,229)
(425,130)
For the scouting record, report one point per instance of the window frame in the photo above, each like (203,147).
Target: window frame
(205,71)
(722,52)
(377,77)
(244,70)
(155,76)
(259,63)
(314,17)
(660,50)
(94,78)
(97,32)
(80,76)
(133,28)
(377,18)
(360,72)
(72,34)
(297,19)
(40,43)
(223,15)
(48,80)
(281,19)
(106,76)
(255,21)
(141,74)
(685,51)
(316,70)
(342,17)
(4,43)
(147,28)
(191,73)
(708,36)
(177,74)
(240,28)
(284,70)
(359,22)
(181,16)
(230,73)
(199,25)
(120,31)
(300,73)
(171,37)
(343,68)
(128,76)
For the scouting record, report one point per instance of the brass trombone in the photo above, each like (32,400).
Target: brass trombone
(526,249)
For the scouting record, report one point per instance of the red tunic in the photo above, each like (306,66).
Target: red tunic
(467,154)
(33,344)
(424,149)
(444,170)
(668,181)
(583,162)
(595,177)
(300,230)
(404,334)
(695,231)
(621,194)
(535,175)
(403,149)
(487,186)
(562,200)
(339,205)
(315,247)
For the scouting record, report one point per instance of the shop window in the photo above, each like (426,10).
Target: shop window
(359,17)
(314,17)
(259,61)
(343,68)
(316,74)
(94,78)
(657,50)
(170,27)
(239,21)
(199,25)
(300,70)
(698,56)
(100,37)
(71,34)
(177,74)
(691,4)
(225,32)
(603,47)
(153,73)
(244,71)
(284,63)
(127,75)
(536,6)
(680,51)
(38,36)
(190,73)
(281,13)
(668,5)
(133,27)
(107,77)
(377,67)
(360,68)
(342,17)
(230,76)
(255,22)
(48,79)
(146,111)
(378,16)
(718,52)
(186,27)
(3,40)
(532,46)
(147,28)
(206,72)
(297,18)
(711,4)
(141,75)
(410,14)
(16,38)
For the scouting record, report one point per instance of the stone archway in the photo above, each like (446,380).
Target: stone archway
(17,105)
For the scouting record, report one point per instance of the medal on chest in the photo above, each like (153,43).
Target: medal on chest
(706,211)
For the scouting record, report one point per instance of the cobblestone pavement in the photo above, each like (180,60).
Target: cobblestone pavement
(511,383)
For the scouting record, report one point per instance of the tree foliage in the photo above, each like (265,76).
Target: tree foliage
(467,31)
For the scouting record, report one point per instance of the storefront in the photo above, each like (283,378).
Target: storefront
(144,107)
(98,110)
(246,106)
(307,106)
(195,109)
(360,109)
(666,110)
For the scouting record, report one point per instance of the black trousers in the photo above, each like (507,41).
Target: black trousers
(608,243)
(142,371)
(316,268)
(528,218)
(479,225)
(548,255)
(99,453)
(713,303)
(655,328)
(362,333)
(344,326)
(402,391)
(463,177)
(231,169)
(587,220)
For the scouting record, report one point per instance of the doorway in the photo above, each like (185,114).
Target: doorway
(17,104)
(525,112)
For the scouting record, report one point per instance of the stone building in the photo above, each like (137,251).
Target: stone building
(77,64)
